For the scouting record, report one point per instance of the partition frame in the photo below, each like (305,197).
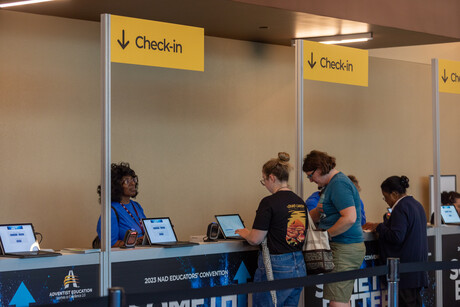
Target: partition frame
(105,276)
(437,175)
(299,84)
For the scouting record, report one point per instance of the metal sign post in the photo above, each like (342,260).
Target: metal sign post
(437,177)
(299,113)
(105,279)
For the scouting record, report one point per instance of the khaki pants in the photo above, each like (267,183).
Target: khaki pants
(346,257)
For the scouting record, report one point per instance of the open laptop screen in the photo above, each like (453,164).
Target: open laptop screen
(18,238)
(159,230)
(449,215)
(229,223)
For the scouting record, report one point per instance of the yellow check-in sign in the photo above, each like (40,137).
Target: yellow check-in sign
(336,64)
(154,43)
(449,76)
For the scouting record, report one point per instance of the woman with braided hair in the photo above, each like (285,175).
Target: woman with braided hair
(126,213)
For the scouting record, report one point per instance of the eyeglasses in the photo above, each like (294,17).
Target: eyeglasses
(262,181)
(311,175)
(128,180)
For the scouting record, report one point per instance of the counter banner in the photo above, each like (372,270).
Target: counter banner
(372,291)
(451,278)
(366,292)
(49,286)
(429,294)
(188,272)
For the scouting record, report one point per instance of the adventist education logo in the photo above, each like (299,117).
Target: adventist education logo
(70,289)
(71,279)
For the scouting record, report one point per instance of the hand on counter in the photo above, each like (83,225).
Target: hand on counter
(139,240)
(370,226)
(244,233)
(254,236)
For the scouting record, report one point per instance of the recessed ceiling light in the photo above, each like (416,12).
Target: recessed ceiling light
(21,3)
(342,39)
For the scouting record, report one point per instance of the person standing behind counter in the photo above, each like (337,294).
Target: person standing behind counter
(126,213)
(451,198)
(403,235)
(339,213)
(281,217)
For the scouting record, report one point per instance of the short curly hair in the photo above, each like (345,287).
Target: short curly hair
(318,160)
(118,171)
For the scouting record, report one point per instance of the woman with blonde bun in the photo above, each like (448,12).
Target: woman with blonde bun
(281,218)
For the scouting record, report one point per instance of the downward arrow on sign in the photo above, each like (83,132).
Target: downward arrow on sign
(445,77)
(312,64)
(123,44)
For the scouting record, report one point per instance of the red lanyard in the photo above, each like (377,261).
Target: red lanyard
(138,222)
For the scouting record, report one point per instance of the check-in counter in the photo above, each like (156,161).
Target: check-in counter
(367,291)
(143,269)
(371,292)
(450,252)
(206,265)
(47,280)
(72,276)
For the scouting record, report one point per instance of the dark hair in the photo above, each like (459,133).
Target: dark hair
(318,160)
(118,171)
(395,184)
(279,167)
(448,198)
(355,182)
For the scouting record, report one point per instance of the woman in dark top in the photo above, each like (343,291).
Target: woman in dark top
(403,235)
(281,217)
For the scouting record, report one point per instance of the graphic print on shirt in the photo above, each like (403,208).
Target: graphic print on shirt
(296,224)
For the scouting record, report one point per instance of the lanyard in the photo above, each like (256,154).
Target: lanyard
(138,218)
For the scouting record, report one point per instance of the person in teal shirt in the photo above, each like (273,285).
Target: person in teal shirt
(313,199)
(339,213)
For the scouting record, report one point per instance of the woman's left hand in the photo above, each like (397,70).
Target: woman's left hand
(370,226)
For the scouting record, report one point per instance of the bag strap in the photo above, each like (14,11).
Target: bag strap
(97,241)
(268,267)
(311,224)
(116,213)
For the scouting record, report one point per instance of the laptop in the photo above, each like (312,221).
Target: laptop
(449,215)
(160,232)
(19,241)
(228,223)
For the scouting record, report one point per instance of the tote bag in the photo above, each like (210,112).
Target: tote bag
(316,250)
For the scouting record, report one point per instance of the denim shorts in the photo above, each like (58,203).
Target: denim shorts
(288,265)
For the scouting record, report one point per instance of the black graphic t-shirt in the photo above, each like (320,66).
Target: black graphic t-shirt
(283,214)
